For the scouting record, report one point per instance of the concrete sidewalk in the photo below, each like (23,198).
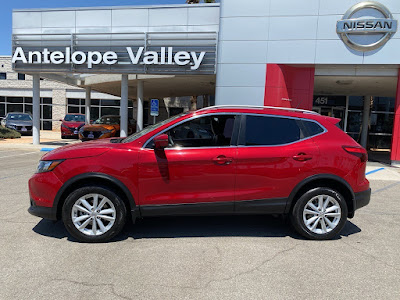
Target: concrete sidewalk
(48,140)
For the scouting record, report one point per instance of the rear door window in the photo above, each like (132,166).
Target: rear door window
(269,131)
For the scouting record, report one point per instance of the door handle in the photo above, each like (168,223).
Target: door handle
(302,157)
(222,160)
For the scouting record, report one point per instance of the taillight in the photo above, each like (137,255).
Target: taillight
(357,151)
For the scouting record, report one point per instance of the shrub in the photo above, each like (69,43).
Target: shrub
(6,133)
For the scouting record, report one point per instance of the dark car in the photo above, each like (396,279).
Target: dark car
(71,124)
(218,160)
(21,122)
(105,127)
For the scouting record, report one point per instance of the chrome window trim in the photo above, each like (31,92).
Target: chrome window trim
(238,114)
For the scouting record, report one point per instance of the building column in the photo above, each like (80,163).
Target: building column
(123,110)
(36,109)
(139,120)
(287,86)
(395,150)
(365,121)
(88,100)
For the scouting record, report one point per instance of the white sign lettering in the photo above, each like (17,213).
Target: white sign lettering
(165,56)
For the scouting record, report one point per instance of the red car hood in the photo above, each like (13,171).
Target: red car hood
(73,124)
(79,150)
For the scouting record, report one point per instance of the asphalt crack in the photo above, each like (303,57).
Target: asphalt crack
(372,256)
(256,268)
(87,284)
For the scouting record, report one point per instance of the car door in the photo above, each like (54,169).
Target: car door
(274,155)
(196,173)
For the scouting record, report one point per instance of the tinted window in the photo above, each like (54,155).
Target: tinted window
(108,120)
(74,118)
(210,131)
(269,131)
(311,128)
(19,117)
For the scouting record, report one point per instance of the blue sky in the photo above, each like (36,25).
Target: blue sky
(8,5)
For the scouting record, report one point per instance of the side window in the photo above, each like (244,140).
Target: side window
(270,131)
(208,131)
(311,128)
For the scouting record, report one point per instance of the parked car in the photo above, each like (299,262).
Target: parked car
(21,122)
(71,124)
(218,160)
(104,127)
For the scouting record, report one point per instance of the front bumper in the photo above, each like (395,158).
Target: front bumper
(43,212)
(362,199)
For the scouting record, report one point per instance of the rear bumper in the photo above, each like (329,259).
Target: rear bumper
(42,212)
(362,199)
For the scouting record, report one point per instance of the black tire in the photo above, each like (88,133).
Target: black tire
(298,222)
(120,214)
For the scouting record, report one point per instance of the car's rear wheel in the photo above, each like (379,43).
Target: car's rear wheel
(94,214)
(319,214)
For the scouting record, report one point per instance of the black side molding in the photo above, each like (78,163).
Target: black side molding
(263,206)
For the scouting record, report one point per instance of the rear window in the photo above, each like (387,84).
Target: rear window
(270,131)
(311,128)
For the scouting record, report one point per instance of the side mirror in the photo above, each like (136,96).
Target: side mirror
(161,141)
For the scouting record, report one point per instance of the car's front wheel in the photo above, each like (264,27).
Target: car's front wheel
(94,214)
(319,214)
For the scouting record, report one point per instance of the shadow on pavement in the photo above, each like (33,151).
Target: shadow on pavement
(180,227)
(59,143)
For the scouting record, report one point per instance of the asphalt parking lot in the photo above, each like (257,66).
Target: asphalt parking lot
(238,257)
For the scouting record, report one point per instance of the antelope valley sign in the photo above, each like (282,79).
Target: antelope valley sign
(117,53)
(165,56)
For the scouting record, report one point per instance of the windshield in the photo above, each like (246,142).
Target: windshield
(74,118)
(151,128)
(108,120)
(19,117)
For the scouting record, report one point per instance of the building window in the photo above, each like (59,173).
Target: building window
(24,104)
(3,76)
(21,76)
(98,107)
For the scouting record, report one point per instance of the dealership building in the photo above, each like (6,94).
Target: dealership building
(339,58)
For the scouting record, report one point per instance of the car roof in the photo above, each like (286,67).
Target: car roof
(270,110)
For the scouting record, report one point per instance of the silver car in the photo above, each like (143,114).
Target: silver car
(21,122)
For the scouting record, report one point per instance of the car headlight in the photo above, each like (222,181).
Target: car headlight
(12,126)
(47,165)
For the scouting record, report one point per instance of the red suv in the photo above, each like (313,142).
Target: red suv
(71,124)
(218,160)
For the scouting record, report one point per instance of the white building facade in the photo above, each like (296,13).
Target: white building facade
(336,57)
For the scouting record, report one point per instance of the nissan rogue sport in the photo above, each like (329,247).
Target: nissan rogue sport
(217,160)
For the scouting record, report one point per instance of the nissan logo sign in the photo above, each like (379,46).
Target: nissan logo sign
(366,26)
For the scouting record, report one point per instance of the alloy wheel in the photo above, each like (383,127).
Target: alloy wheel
(93,214)
(322,214)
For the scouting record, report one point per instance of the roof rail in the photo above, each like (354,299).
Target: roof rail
(256,106)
